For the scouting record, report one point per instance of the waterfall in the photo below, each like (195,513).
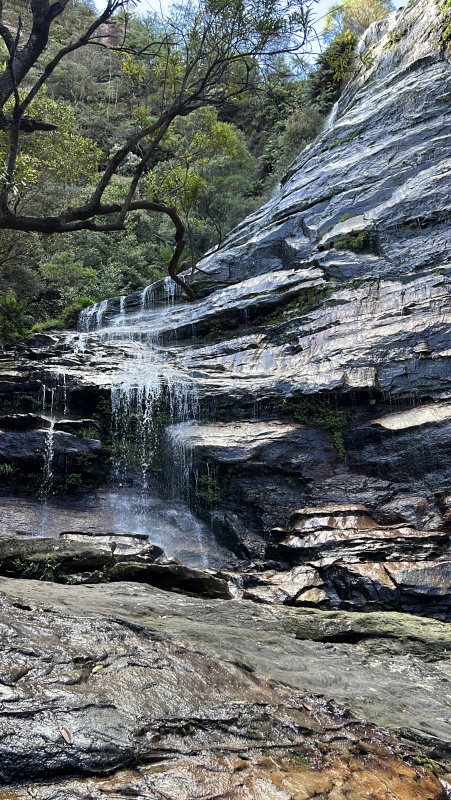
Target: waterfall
(121,320)
(47,469)
(332,117)
(50,410)
(147,394)
(92,317)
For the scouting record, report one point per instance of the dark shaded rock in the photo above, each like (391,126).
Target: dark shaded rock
(404,508)
(360,544)
(172,577)
(411,444)
(83,558)
(76,426)
(41,340)
(419,588)
(18,422)
(445,505)
(351,562)
(72,557)
(280,446)
(30,445)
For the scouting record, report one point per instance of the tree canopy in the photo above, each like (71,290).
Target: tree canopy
(205,55)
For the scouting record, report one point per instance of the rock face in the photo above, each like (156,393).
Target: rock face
(316,360)
(130,701)
(328,309)
(78,558)
(344,559)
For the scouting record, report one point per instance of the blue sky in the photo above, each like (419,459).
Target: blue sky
(321,7)
(320,10)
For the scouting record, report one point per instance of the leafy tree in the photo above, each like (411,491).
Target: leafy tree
(202,152)
(333,66)
(12,316)
(354,16)
(62,154)
(204,55)
(299,130)
(66,274)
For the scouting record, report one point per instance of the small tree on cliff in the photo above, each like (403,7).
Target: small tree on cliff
(354,16)
(204,55)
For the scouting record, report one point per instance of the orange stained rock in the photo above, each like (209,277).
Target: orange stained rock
(247,777)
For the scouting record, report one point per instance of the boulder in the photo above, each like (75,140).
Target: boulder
(18,422)
(31,445)
(77,558)
(172,577)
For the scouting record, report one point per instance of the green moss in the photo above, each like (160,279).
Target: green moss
(366,59)
(85,459)
(361,242)
(394,38)
(74,479)
(89,433)
(27,402)
(208,490)
(302,301)
(423,762)
(322,415)
(7,471)
(343,140)
(214,332)
(446,32)
(103,413)
(161,418)
(301,759)
(294,483)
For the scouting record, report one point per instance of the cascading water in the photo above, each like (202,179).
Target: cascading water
(147,393)
(54,398)
(47,472)
(92,317)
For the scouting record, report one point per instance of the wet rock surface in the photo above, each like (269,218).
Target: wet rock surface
(346,560)
(77,559)
(316,365)
(396,465)
(337,289)
(165,694)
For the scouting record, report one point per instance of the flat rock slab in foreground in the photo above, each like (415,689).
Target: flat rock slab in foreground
(153,695)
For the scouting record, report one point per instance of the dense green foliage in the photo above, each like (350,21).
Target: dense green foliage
(214,165)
